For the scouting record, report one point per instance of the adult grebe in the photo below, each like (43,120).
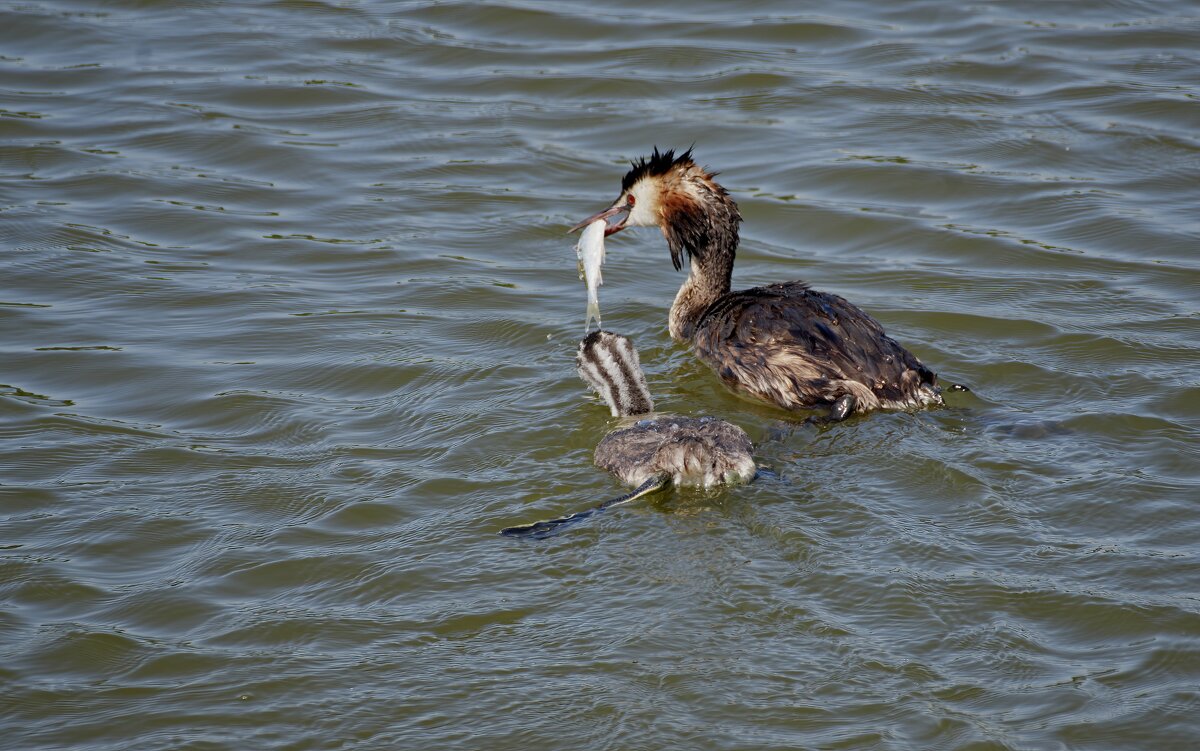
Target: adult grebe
(655,451)
(783,343)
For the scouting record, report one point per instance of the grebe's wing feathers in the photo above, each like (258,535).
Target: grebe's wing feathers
(796,346)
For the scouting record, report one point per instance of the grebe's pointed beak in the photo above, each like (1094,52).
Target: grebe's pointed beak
(612,227)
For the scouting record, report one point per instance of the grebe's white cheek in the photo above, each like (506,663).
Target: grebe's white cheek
(643,214)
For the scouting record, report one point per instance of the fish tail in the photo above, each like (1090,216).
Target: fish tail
(593,311)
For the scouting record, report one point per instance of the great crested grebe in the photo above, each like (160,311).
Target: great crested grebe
(655,451)
(782,343)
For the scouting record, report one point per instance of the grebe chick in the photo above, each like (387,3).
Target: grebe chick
(783,343)
(654,451)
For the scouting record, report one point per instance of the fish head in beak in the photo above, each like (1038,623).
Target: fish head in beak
(615,216)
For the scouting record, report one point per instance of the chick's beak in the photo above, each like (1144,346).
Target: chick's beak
(612,227)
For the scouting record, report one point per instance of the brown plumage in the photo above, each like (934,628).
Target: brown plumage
(783,343)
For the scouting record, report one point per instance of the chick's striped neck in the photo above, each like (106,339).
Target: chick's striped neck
(609,364)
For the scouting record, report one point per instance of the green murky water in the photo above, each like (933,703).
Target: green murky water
(288,313)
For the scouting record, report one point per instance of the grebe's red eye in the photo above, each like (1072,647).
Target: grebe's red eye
(630,201)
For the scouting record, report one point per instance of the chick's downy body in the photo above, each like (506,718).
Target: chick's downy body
(700,451)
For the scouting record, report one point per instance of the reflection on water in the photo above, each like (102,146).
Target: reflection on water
(289,315)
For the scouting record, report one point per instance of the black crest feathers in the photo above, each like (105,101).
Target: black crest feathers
(658,163)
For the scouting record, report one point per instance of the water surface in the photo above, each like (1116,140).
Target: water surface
(288,316)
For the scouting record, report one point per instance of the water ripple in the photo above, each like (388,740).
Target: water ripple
(289,316)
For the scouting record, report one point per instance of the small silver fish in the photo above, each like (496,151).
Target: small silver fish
(590,251)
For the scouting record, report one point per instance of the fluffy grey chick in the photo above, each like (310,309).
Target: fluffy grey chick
(655,451)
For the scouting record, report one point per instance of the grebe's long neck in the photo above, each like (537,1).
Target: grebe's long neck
(609,364)
(707,230)
(706,282)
